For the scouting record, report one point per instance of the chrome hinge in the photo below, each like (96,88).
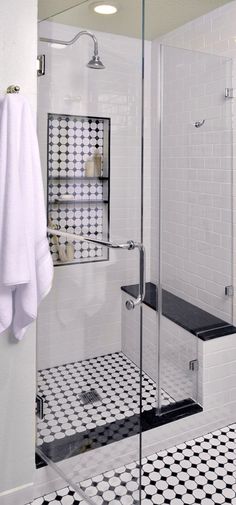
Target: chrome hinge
(229,93)
(39,406)
(229,290)
(41,65)
(193,365)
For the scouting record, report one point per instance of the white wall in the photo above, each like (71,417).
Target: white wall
(197,232)
(81,317)
(196,179)
(18,28)
(178,348)
(217,372)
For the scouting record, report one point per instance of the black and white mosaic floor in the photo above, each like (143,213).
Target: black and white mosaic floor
(200,471)
(69,411)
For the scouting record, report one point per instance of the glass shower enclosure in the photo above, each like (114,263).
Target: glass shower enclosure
(195,213)
(135,139)
(90,135)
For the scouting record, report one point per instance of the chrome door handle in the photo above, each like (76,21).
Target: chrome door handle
(131,304)
(130,246)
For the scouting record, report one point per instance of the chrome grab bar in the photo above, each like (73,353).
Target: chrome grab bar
(131,304)
(129,245)
(74,236)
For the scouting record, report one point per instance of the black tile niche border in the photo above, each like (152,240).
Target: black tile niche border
(70,156)
(197,321)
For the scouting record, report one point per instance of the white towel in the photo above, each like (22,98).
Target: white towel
(26,269)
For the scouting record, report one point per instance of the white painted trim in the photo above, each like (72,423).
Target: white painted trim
(19,495)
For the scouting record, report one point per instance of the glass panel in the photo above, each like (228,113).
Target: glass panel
(195,212)
(89,376)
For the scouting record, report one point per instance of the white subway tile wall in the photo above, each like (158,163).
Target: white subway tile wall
(215,381)
(81,317)
(178,348)
(196,181)
(130,337)
(217,372)
(197,219)
(197,233)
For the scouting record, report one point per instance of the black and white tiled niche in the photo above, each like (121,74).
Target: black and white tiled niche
(78,203)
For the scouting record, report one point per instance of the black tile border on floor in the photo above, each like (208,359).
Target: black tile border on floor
(197,321)
(100,436)
(114,377)
(198,471)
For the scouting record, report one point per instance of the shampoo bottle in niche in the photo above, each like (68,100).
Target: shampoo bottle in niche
(93,166)
(97,163)
(89,168)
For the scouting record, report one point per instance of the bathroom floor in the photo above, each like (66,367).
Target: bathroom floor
(200,471)
(71,402)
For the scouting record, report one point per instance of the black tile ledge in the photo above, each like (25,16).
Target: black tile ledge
(190,317)
(71,446)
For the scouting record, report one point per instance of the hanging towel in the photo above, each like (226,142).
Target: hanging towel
(26,269)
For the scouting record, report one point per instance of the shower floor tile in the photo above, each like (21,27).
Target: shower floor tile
(113,377)
(200,471)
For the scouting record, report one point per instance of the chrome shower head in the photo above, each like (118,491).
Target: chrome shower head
(96,63)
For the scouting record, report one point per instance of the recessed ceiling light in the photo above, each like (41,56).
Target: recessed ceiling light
(104,8)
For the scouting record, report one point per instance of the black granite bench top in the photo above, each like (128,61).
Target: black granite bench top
(193,319)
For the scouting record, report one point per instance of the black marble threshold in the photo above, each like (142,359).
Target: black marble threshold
(197,321)
(68,447)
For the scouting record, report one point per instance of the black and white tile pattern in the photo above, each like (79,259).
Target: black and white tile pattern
(86,220)
(200,471)
(75,202)
(71,141)
(114,377)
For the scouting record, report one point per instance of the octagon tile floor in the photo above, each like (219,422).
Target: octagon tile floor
(200,471)
(116,380)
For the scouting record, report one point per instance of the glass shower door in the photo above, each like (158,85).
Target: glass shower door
(195,214)
(90,130)
(90,428)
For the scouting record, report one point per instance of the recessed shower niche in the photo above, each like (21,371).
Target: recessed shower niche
(78,185)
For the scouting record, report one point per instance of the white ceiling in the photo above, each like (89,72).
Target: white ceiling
(162,16)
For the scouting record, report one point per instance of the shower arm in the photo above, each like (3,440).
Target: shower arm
(72,41)
(130,246)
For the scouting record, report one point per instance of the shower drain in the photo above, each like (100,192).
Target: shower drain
(90,396)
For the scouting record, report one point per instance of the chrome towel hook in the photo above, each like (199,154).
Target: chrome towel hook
(198,124)
(13,89)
